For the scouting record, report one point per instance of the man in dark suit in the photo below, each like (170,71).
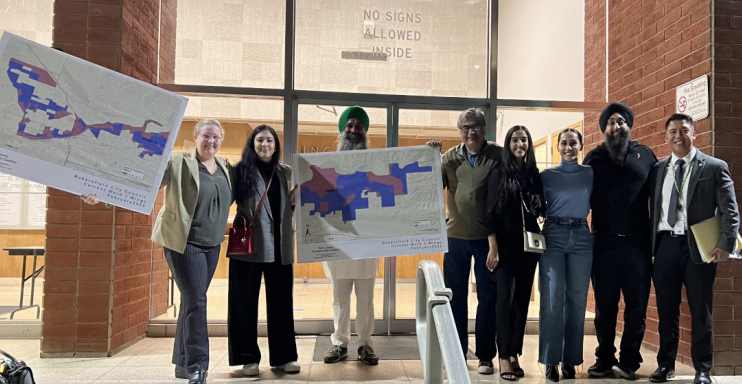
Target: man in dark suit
(688,187)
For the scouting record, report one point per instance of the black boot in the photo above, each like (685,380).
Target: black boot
(552,372)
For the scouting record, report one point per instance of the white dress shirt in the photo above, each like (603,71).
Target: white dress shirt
(668,185)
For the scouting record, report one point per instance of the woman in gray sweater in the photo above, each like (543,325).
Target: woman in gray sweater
(564,269)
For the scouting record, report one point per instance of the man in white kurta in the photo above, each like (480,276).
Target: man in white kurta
(345,274)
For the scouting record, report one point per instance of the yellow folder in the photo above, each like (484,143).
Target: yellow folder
(707,235)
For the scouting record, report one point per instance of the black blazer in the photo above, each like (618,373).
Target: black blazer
(710,192)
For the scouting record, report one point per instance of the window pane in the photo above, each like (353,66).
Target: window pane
(541,50)
(230,42)
(544,127)
(318,132)
(238,118)
(30,19)
(405,47)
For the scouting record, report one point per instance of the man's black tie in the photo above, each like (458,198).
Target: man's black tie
(672,214)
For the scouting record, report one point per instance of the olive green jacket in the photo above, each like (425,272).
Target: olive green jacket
(181,179)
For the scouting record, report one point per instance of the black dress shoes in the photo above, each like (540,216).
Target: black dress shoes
(568,371)
(552,372)
(662,374)
(198,377)
(702,378)
(181,372)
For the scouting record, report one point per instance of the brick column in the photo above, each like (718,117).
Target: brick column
(100,261)
(653,48)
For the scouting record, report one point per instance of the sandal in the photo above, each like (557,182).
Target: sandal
(517,370)
(509,376)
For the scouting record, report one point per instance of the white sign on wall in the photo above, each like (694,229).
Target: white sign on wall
(692,98)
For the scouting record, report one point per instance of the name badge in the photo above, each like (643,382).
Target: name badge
(678,231)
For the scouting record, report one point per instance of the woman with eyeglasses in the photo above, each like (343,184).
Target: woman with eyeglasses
(191,227)
(564,269)
(514,199)
(261,176)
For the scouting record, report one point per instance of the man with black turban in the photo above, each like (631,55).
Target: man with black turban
(344,274)
(621,229)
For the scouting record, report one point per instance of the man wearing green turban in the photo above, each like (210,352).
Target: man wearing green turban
(344,274)
(353,125)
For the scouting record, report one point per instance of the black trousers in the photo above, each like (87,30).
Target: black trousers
(514,281)
(621,265)
(242,321)
(192,271)
(673,267)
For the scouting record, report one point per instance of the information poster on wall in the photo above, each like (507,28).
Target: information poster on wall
(35,205)
(11,201)
(692,98)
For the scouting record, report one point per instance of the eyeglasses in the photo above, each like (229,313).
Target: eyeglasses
(215,139)
(473,128)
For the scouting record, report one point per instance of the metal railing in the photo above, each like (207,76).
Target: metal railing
(436,331)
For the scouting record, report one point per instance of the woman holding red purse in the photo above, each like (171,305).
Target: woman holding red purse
(261,185)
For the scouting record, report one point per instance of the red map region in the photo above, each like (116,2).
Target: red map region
(323,180)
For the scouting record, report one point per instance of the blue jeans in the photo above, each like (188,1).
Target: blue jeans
(564,277)
(456,267)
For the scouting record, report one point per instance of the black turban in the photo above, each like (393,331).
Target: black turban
(622,110)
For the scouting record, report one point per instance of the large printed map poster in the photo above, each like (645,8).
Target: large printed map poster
(369,203)
(79,127)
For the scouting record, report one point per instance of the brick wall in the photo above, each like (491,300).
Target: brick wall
(727,110)
(100,261)
(654,46)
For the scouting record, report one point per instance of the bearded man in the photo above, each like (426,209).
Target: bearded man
(344,274)
(621,229)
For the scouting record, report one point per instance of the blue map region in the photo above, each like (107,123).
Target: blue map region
(151,143)
(331,192)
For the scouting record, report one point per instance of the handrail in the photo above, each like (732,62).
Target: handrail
(437,338)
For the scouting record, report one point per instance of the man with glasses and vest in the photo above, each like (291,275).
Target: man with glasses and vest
(465,168)
(688,187)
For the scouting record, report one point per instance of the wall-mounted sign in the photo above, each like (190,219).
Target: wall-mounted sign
(692,98)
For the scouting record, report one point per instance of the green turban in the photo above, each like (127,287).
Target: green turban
(351,112)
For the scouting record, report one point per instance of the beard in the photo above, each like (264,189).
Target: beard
(617,144)
(351,141)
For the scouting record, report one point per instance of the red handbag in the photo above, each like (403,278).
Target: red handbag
(241,238)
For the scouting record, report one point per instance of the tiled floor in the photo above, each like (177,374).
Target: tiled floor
(148,361)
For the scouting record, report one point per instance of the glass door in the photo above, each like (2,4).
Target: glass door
(317,132)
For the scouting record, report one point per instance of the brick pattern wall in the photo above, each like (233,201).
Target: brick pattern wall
(78,277)
(727,110)
(594,81)
(100,260)
(654,46)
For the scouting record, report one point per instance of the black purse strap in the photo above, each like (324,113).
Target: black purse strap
(9,356)
(260,204)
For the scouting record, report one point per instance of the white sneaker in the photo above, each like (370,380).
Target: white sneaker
(290,367)
(250,369)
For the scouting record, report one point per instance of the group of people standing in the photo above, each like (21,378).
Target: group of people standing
(200,187)
(641,209)
(495,195)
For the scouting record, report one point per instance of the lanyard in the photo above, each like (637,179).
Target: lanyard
(685,179)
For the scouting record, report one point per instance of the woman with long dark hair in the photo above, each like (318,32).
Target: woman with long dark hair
(564,269)
(514,196)
(260,172)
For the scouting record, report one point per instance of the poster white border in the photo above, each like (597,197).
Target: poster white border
(372,248)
